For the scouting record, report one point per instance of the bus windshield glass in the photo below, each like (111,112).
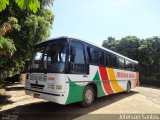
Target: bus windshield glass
(49,58)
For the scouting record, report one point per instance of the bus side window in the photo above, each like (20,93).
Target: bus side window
(136,67)
(101,57)
(113,60)
(96,57)
(128,65)
(79,56)
(77,61)
(89,55)
(93,56)
(120,62)
(107,59)
(133,66)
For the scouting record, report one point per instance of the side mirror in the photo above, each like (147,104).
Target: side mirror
(72,51)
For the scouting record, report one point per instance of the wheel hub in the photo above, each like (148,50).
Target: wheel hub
(89,96)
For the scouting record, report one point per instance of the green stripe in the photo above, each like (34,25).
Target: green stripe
(97,80)
(75,92)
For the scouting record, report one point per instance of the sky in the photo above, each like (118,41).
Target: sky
(96,20)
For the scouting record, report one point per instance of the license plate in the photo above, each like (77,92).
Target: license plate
(35,95)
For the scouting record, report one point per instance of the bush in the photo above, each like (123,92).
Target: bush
(150,79)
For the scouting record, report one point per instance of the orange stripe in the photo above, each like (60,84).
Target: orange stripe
(114,83)
(137,80)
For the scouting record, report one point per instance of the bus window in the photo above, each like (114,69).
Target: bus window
(38,59)
(101,57)
(54,58)
(120,62)
(112,60)
(77,60)
(50,58)
(128,65)
(96,57)
(107,59)
(135,67)
(79,56)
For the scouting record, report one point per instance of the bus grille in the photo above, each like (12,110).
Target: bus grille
(37,86)
(38,77)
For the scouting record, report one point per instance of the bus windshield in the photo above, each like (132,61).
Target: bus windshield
(49,58)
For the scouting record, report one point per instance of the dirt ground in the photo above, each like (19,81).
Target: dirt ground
(141,100)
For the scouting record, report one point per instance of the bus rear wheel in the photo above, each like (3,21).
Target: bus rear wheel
(88,96)
(128,89)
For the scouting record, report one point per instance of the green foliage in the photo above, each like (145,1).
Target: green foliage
(150,79)
(34,28)
(3,4)
(128,46)
(110,43)
(28,29)
(14,23)
(33,4)
(7,47)
(39,27)
(23,4)
(20,30)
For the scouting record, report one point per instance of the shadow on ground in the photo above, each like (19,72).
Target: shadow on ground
(50,110)
(15,88)
(4,100)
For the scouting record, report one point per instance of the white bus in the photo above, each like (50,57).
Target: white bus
(65,70)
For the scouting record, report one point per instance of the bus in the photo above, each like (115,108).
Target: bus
(65,70)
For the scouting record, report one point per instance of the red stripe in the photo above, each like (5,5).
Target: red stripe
(104,77)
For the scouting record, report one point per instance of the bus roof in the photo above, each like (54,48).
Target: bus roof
(78,39)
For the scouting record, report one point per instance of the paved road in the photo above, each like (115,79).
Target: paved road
(142,100)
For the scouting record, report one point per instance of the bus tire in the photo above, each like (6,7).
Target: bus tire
(88,96)
(128,88)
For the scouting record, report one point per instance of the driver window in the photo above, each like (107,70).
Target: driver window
(77,61)
(78,58)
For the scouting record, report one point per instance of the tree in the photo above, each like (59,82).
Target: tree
(33,28)
(153,44)
(7,47)
(110,43)
(128,46)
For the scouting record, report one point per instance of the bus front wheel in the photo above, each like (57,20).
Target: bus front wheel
(88,96)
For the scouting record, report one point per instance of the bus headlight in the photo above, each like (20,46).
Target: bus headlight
(58,87)
(52,86)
